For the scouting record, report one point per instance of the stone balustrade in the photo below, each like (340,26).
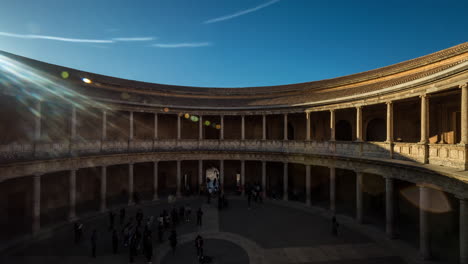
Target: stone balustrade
(447,155)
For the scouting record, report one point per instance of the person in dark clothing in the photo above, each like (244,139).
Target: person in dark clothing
(139,217)
(122,215)
(115,241)
(173,240)
(334,226)
(160,232)
(78,232)
(148,246)
(111,220)
(93,243)
(133,248)
(199,245)
(199,217)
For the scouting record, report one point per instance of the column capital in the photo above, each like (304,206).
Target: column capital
(463,86)
(332,110)
(359,107)
(424,95)
(389,102)
(155,161)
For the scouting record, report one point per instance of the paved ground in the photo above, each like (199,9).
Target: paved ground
(267,233)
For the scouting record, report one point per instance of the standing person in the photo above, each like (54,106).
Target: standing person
(79,232)
(122,215)
(111,220)
(148,246)
(173,240)
(334,226)
(199,217)
(139,217)
(199,246)
(93,243)
(160,232)
(115,241)
(188,212)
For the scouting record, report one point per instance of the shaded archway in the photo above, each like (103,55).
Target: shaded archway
(344,131)
(376,130)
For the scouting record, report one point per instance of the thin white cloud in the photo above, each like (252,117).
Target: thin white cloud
(182,45)
(240,13)
(134,39)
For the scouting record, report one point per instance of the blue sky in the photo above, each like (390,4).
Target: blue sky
(229,43)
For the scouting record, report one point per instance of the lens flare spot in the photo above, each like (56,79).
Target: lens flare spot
(65,75)
(218,126)
(207,123)
(187,116)
(86,80)
(194,118)
(166,109)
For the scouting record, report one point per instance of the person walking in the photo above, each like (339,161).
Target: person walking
(122,215)
(173,240)
(334,226)
(199,245)
(115,241)
(93,243)
(199,217)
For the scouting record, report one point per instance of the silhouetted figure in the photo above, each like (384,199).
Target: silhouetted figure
(199,245)
(122,215)
(139,217)
(173,240)
(115,241)
(334,226)
(199,217)
(133,248)
(188,213)
(93,243)
(160,232)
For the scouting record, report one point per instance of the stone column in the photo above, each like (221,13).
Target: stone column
(155,126)
(37,121)
(285,181)
(285,127)
(307,185)
(424,118)
(463,231)
(243,176)
(243,127)
(179,179)
(389,122)
(359,200)
(155,181)
(464,113)
(130,184)
(200,175)
(332,125)
(221,132)
(389,209)
(104,125)
(359,123)
(36,215)
(178,127)
(73,123)
(332,190)
(307,126)
(264,137)
(264,188)
(200,128)
(424,205)
(103,195)
(221,175)
(72,182)
(130,136)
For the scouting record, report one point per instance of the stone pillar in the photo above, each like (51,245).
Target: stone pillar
(155,126)
(389,122)
(285,181)
(424,205)
(73,123)
(37,121)
(307,185)
(359,200)
(332,125)
(424,118)
(464,114)
(103,195)
(264,188)
(36,215)
(243,176)
(179,178)
(264,137)
(285,127)
(389,209)
(72,182)
(104,125)
(359,123)
(178,127)
(221,176)
(243,127)
(130,136)
(130,184)
(332,190)
(463,231)
(155,181)
(200,128)
(221,132)
(307,126)
(200,175)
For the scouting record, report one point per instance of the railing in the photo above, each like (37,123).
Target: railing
(453,156)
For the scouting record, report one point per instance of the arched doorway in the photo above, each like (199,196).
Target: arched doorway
(344,131)
(376,130)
